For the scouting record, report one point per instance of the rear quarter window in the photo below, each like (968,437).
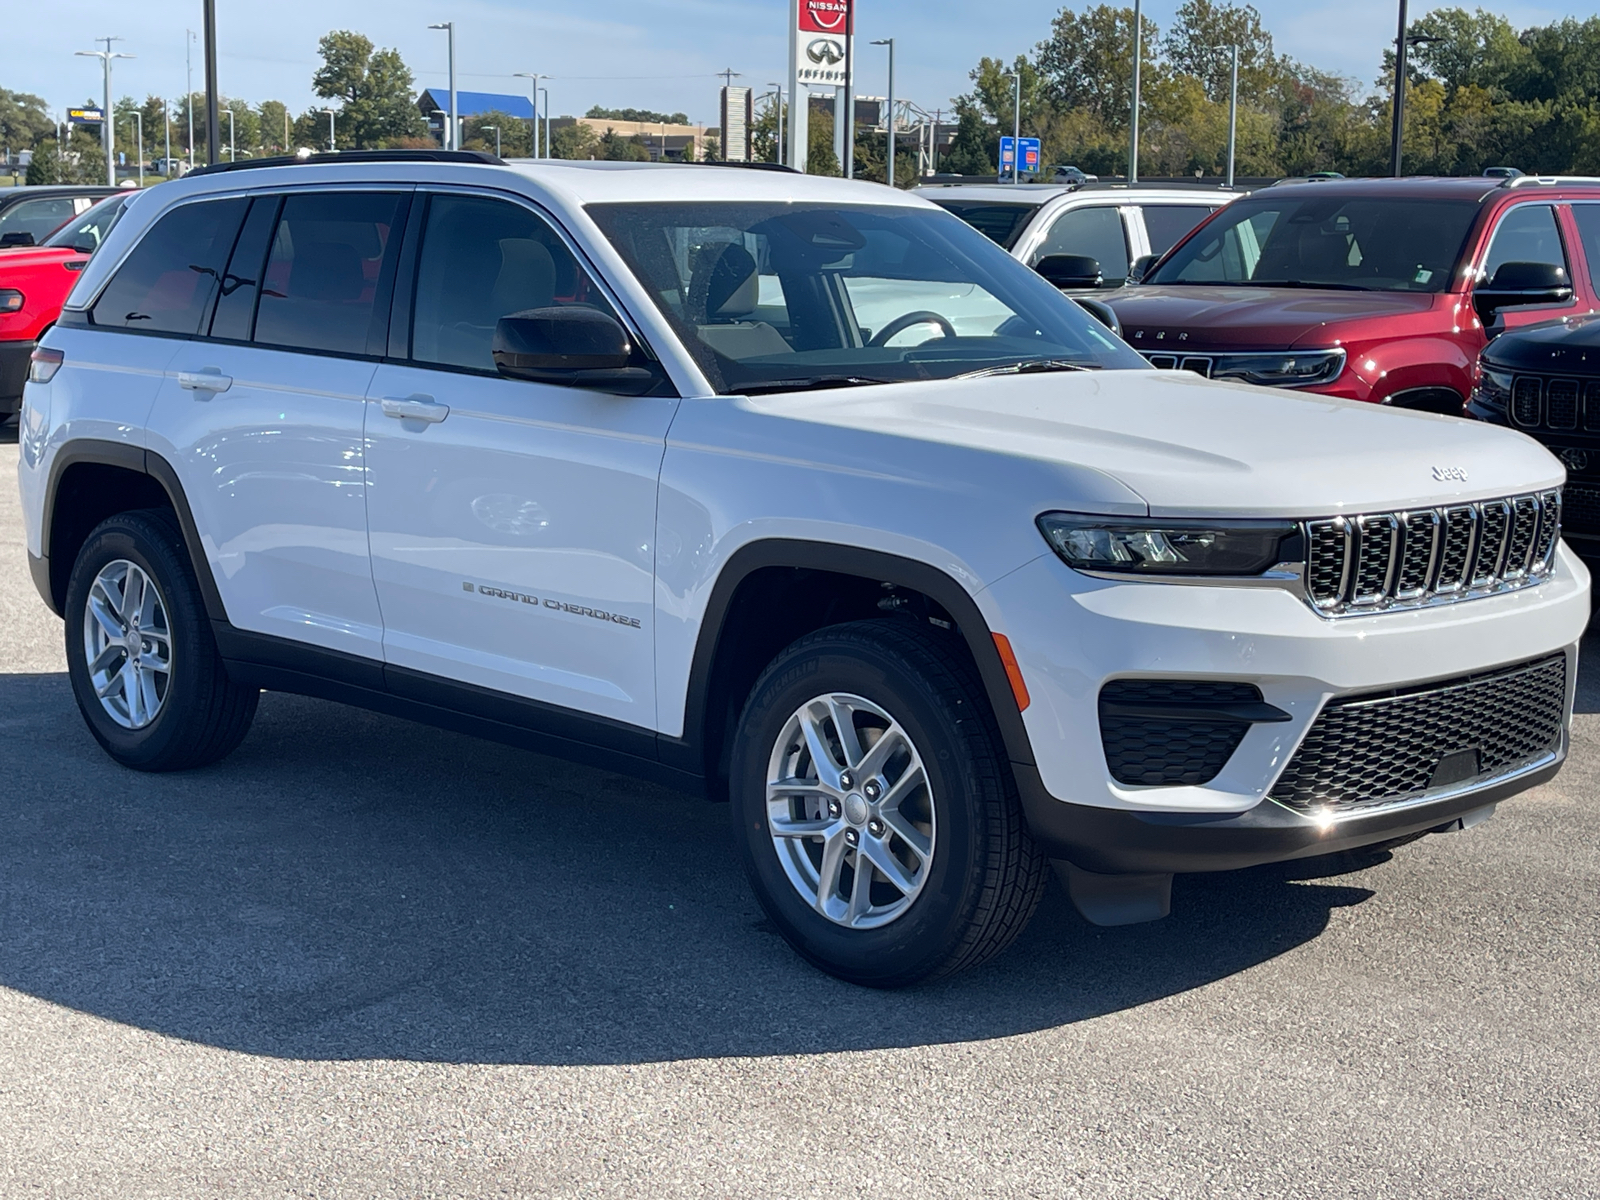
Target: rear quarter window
(166,284)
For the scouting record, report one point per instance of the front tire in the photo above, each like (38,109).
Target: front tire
(143,664)
(874,810)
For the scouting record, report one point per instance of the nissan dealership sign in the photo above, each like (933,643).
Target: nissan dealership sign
(821,42)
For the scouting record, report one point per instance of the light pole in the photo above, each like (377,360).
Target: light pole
(450,30)
(1016,129)
(534,89)
(213,125)
(166,123)
(1233,110)
(848,158)
(333,147)
(1133,128)
(889,42)
(545,92)
(138,128)
(188,88)
(1402,42)
(496,128)
(107,133)
(778,88)
(230,133)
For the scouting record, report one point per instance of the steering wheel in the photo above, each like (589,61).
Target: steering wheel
(903,323)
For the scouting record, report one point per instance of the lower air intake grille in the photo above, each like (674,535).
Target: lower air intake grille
(1369,751)
(1169,751)
(1581,508)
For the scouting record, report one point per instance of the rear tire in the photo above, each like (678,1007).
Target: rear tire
(142,661)
(922,792)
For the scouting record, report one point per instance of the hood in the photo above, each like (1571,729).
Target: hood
(1173,318)
(1191,446)
(1572,346)
(24,257)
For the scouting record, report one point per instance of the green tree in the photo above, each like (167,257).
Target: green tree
(713,148)
(25,120)
(1087,62)
(575,141)
(820,158)
(375,90)
(479,134)
(619,148)
(272,119)
(647,115)
(1197,45)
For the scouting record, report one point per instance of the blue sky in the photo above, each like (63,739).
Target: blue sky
(636,53)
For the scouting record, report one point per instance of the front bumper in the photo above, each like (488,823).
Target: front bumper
(1072,634)
(14,359)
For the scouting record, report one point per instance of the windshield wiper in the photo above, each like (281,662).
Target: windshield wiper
(1029,366)
(811,383)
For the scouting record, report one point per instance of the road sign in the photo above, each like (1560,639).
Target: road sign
(1031,152)
(85,116)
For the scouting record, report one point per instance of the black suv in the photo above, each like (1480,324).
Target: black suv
(1545,381)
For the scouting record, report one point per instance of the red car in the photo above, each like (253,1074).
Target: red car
(1372,289)
(34,281)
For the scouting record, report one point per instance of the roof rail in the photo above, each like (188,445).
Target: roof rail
(1548,180)
(352,156)
(743,166)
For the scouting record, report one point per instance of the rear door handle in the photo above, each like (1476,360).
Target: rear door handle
(415,408)
(208,380)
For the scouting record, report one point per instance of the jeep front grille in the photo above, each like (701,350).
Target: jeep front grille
(1381,561)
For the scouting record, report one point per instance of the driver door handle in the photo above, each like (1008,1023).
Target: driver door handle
(418,407)
(208,380)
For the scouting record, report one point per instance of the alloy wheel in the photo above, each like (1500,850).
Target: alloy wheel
(127,643)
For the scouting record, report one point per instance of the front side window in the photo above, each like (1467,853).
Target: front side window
(1302,237)
(1527,233)
(38,218)
(1095,232)
(772,296)
(90,230)
(165,285)
(332,257)
(1002,223)
(483,259)
(1588,218)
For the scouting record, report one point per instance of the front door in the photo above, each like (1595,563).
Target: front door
(512,523)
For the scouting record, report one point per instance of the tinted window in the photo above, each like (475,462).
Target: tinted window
(241,282)
(1096,232)
(1588,217)
(38,217)
(89,230)
(167,282)
(1165,224)
(1526,234)
(1001,223)
(482,260)
(332,256)
(1311,236)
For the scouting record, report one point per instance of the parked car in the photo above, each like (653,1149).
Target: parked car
(598,458)
(34,280)
(30,214)
(1113,225)
(1545,381)
(1070,174)
(1375,289)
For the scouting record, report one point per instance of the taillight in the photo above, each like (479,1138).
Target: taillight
(43,364)
(10,300)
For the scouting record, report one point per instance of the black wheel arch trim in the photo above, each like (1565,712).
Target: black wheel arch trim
(142,462)
(911,573)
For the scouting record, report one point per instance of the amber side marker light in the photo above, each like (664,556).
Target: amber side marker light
(1008,660)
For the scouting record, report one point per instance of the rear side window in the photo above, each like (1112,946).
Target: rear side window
(1096,232)
(1588,218)
(167,283)
(1527,233)
(331,262)
(235,314)
(1165,224)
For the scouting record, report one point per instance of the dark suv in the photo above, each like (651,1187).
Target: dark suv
(1383,290)
(1545,381)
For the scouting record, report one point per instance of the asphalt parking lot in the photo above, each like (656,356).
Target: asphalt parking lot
(366,958)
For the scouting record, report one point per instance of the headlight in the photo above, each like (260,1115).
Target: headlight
(10,300)
(1494,389)
(1280,370)
(1171,547)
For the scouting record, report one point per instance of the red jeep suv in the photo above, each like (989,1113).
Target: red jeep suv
(1371,289)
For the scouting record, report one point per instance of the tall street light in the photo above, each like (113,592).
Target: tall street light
(107,134)
(1233,109)
(1402,42)
(450,30)
(496,128)
(545,92)
(166,123)
(1133,126)
(138,145)
(231,154)
(333,147)
(534,89)
(889,42)
(213,126)
(1016,128)
(188,87)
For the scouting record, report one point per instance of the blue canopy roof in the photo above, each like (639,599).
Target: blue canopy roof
(470,104)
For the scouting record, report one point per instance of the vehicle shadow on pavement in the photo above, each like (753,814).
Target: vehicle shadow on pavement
(348,886)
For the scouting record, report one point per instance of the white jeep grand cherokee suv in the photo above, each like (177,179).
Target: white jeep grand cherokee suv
(798,491)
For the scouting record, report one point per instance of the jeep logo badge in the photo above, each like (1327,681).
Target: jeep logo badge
(1450,474)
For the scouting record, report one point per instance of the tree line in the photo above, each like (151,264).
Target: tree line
(1481,94)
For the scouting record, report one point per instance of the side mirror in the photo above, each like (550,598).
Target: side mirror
(1520,283)
(569,347)
(16,238)
(1070,270)
(1141,267)
(1102,312)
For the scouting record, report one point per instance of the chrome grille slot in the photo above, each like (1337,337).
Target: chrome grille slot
(1200,366)
(1375,538)
(1525,406)
(1494,522)
(1455,553)
(1421,533)
(1561,404)
(1382,561)
(1163,362)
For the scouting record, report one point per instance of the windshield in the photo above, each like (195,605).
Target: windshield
(1295,239)
(89,231)
(776,296)
(1001,223)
